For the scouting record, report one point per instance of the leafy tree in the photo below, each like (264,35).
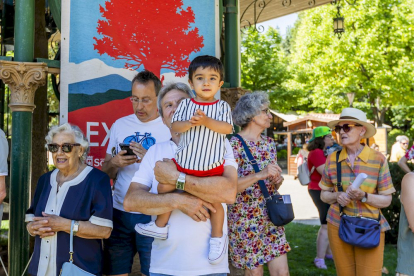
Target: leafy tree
(156,36)
(374,58)
(264,67)
(401,116)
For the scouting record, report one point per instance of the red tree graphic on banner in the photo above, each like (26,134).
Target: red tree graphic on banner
(155,34)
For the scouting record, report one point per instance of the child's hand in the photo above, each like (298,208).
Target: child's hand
(199,118)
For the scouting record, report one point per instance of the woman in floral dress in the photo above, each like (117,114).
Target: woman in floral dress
(253,238)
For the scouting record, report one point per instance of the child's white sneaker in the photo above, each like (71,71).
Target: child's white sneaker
(152,230)
(218,247)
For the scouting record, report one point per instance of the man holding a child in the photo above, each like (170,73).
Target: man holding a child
(185,251)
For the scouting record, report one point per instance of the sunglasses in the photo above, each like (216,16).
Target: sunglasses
(66,147)
(346,127)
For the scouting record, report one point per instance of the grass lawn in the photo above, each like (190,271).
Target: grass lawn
(3,233)
(302,239)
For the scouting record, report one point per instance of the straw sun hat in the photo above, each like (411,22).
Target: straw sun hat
(357,116)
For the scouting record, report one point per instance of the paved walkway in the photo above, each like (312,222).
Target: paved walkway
(303,207)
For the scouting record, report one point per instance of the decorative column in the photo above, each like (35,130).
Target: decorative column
(23,79)
(232,45)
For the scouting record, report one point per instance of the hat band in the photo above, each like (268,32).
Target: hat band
(349,117)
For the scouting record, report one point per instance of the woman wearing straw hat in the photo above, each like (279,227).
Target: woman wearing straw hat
(365,201)
(321,139)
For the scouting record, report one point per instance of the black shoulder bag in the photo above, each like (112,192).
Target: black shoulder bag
(280,213)
(357,231)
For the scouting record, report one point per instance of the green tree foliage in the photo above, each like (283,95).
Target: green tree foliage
(262,61)
(264,68)
(374,58)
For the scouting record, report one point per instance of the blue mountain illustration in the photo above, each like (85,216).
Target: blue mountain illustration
(98,91)
(100,85)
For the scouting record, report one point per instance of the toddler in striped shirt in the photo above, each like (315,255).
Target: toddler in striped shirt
(203,123)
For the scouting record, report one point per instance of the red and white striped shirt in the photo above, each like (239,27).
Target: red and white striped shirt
(200,148)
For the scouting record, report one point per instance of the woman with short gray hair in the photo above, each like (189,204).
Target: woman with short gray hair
(77,133)
(172,86)
(253,238)
(248,107)
(73,196)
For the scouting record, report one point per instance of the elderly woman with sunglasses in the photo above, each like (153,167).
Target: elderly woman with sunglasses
(366,201)
(71,192)
(253,238)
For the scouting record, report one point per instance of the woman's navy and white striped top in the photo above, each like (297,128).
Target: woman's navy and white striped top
(200,148)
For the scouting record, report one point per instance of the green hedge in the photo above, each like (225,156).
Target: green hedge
(392,212)
(295,151)
(282,154)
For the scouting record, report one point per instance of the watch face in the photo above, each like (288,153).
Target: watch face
(76,227)
(364,199)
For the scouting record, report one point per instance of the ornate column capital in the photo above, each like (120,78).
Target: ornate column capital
(23,79)
(232,95)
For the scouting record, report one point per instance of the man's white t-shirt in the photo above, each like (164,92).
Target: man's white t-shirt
(122,131)
(4,152)
(185,252)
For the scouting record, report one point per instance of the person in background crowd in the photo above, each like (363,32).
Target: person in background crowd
(185,251)
(71,192)
(298,141)
(253,238)
(405,261)
(301,157)
(335,147)
(374,193)
(320,141)
(307,139)
(124,242)
(399,148)
(4,153)
(409,156)
(375,147)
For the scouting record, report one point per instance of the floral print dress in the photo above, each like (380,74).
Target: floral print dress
(253,238)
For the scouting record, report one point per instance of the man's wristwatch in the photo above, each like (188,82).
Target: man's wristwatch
(180,182)
(75,227)
(365,198)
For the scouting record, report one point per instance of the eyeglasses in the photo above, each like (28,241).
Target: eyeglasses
(266,110)
(404,143)
(143,101)
(66,147)
(346,127)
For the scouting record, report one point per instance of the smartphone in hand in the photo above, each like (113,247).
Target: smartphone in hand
(126,147)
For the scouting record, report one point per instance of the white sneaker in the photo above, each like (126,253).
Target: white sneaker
(218,247)
(152,230)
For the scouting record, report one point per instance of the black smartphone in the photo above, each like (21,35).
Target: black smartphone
(126,147)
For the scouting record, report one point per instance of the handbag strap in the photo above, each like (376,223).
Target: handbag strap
(339,179)
(71,242)
(339,184)
(253,162)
